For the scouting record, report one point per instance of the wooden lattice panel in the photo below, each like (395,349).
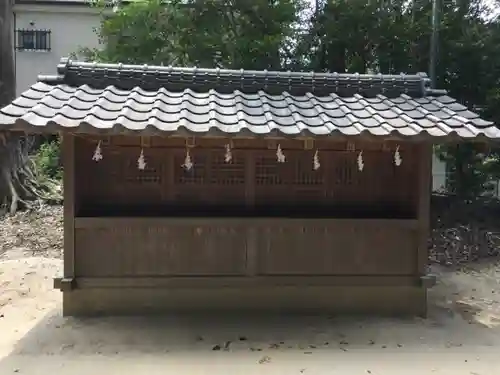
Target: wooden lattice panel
(151,174)
(253,177)
(136,186)
(268,171)
(96,181)
(227,173)
(197,175)
(345,168)
(304,172)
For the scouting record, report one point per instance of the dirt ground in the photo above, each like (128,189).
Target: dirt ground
(461,335)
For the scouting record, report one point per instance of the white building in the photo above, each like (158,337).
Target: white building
(45,31)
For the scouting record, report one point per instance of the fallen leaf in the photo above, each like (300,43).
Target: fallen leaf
(265,359)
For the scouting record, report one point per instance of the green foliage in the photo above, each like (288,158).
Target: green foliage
(47,160)
(204,33)
(469,169)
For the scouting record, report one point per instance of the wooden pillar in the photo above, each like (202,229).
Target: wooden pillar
(252,261)
(424,204)
(68,155)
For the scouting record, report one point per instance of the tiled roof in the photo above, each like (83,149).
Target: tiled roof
(86,97)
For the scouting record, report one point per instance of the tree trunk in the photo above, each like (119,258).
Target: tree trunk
(7,93)
(18,180)
(7,70)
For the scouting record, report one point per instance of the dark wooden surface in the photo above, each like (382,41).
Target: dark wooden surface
(115,247)
(127,300)
(253,184)
(250,224)
(70,190)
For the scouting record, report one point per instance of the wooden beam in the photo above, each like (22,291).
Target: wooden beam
(244,281)
(128,222)
(68,154)
(64,284)
(424,202)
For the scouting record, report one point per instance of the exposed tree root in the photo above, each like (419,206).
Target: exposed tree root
(21,186)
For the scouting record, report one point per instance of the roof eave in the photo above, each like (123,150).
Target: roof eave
(182,132)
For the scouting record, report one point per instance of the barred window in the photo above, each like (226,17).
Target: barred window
(33,40)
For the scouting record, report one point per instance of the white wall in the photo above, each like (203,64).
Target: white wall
(438,174)
(71,26)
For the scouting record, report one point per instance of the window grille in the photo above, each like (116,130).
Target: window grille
(33,40)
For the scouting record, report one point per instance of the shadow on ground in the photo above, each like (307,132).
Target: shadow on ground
(56,335)
(195,344)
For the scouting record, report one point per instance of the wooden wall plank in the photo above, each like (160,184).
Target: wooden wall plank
(225,247)
(68,157)
(244,282)
(424,203)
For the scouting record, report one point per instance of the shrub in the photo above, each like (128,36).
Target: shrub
(47,159)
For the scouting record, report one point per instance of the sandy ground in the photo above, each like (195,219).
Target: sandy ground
(461,336)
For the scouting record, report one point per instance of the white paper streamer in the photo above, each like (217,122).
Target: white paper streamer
(280,155)
(97,153)
(397,157)
(316,163)
(188,163)
(141,161)
(361,163)
(228,157)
